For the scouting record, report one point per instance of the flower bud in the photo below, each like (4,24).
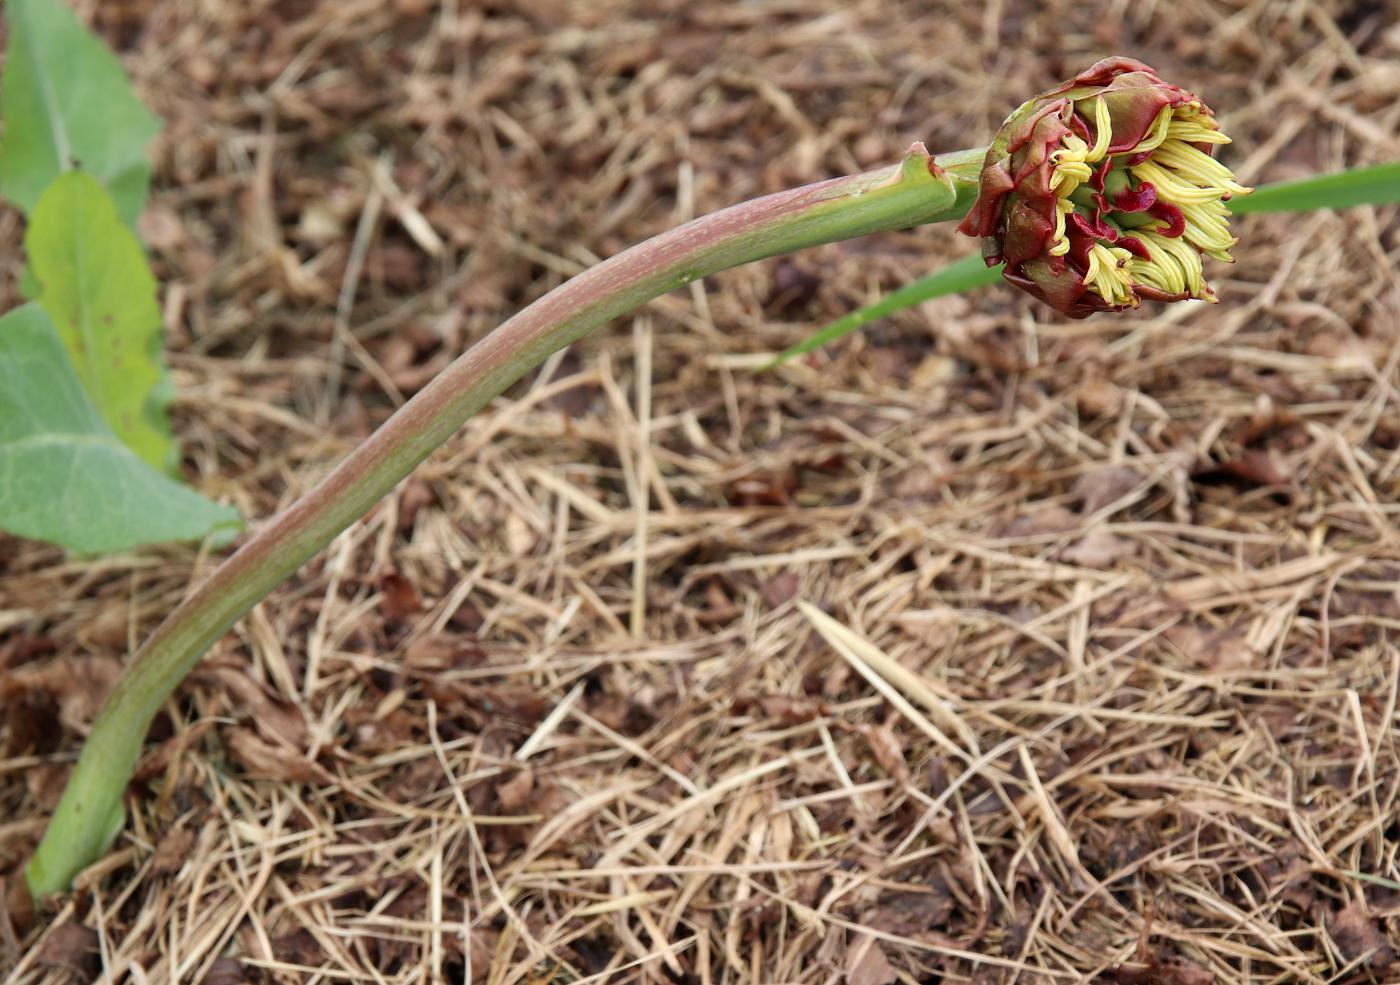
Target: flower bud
(1103,191)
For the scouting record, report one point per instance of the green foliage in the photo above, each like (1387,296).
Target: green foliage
(64,476)
(86,453)
(95,285)
(67,104)
(963,275)
(1376,185)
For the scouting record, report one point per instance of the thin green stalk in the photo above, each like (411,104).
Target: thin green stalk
(1377,184)
(90,815)
(962,275)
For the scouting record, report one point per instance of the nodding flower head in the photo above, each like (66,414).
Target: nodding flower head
(1103,191)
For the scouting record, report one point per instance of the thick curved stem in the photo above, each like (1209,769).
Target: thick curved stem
(916,191)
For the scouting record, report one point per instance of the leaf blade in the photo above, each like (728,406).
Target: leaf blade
(96,286)
(67,103)
(1376,185)
(961,275)
(64,477)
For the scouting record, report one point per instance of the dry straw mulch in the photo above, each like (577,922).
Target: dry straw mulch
(981,647)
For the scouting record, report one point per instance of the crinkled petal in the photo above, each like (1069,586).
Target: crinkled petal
(1171,215)
(995,185)
(1138,199)
(1058,194)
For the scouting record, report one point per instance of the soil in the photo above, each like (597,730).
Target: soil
(981,646)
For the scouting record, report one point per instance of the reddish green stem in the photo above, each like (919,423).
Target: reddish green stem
(90,815)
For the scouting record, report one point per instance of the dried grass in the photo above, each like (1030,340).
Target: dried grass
(981,647)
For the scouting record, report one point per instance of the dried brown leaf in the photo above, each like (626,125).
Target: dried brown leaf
(866,963)
(442,651)
(514,794)
(17,905)
(1103,486)
(1098,549)
(1251,468)
(398,599)
(888,750)
(79,684)
(75,947)
(790,710)
(1040,519)
(909,913)
(276,718)
(1166,969)
(173,850)
(228,971)
(781,588)
(299,947)
(262,760)
(1358,935)
(1226,648)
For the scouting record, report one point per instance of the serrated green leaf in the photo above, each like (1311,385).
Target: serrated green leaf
(67,104)
(97,288)
(64,476)
(961,275)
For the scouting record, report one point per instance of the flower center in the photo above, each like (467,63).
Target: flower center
(1145,215)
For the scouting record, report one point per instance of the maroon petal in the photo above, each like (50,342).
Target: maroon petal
(1033,169)
(1140,199)
(1151,293)
(1079,247)
(1134,246)
(1103,72)
(1051,280)
(1044,124)
(1091,227)
(1134,109)
(992,190)
(1172,216)
(1016,210)
(1030,224)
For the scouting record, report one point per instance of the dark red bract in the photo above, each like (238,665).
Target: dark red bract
(1066,209)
